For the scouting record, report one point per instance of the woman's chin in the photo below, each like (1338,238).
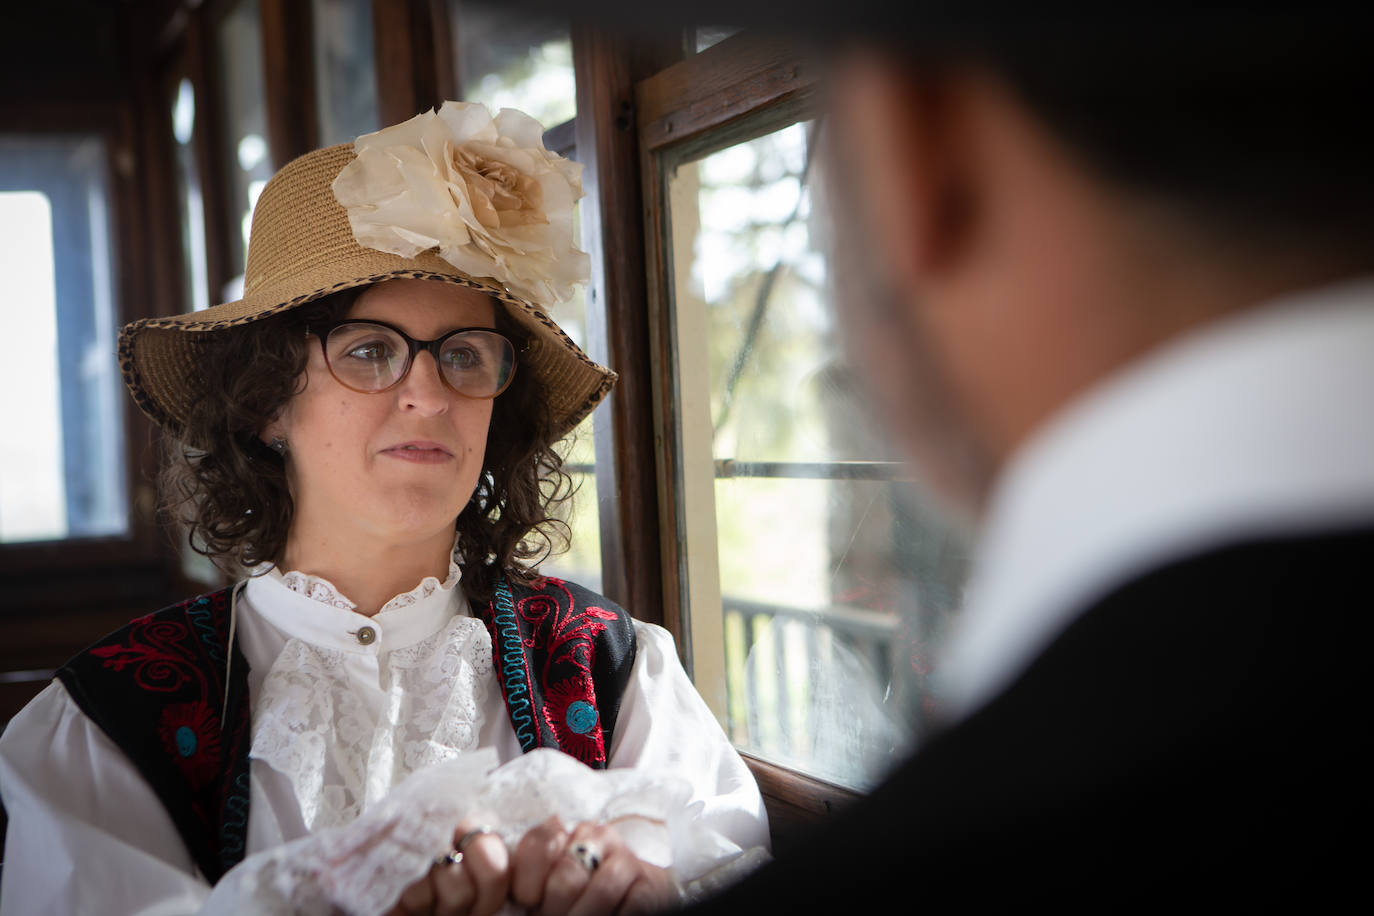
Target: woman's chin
(409,519)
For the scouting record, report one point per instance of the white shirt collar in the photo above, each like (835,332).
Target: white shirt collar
(313,610)
(1259,424)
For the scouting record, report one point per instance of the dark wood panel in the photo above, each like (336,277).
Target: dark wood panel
(796,803)
(63,52)
(661,377)
(156,175)
(44,639)
(411,41)
(726,81)
(17,691)
(607,67)
(445,65)
(289,77)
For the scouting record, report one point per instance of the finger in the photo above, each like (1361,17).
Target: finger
(569,876)
(418,898)
(534,858)
(453,888)
(607,886)
(648,894)
(486,860)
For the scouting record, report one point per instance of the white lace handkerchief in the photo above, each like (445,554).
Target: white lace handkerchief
(362,867)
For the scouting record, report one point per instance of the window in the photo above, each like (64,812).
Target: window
(814,587)
(247,159)
(513,58)
(509,58)
(191,204)
(62,464)
(706,36)
(582,561)
(345,70)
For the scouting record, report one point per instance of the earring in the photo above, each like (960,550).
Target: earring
(278,445)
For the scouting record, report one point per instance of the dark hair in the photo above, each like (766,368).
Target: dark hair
(232,497)
(1245,124)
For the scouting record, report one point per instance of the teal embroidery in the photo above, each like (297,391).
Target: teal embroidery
(186,741)
(513,666)
(202,618)
(581,716)
(234,826)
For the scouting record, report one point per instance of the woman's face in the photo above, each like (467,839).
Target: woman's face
(392,467)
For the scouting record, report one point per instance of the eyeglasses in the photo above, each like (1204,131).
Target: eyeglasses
(373,356)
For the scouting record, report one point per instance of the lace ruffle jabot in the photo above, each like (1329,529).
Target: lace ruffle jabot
(346,728)
(322,590)
(311,725)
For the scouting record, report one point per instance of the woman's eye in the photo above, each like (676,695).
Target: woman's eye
(463,358)
(369,352)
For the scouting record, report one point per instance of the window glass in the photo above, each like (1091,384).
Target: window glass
(195,278)
(819,585)
(345,70)
(707,35)
(62,457)
(582,561)
(510,57)
(248,159)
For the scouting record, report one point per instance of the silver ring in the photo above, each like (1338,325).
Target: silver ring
(587,855)
(452,857)
(473,834)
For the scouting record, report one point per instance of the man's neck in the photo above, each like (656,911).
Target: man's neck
(1148,285)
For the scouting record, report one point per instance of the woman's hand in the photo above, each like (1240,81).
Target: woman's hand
(587,871)
(478,885)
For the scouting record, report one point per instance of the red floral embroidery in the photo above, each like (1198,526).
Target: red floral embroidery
(190,732)
(548,660)
(158,651)
(570,711)
(570,636)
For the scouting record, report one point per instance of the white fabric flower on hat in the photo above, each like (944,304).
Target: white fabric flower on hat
(483,191)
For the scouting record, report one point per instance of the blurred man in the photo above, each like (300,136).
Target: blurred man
(1113,284)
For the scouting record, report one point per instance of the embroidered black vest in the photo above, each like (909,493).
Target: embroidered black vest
(563,655)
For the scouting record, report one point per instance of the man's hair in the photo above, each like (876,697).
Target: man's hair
(232,495)
(1250,125)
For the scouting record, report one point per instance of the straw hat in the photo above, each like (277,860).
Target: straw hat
(302,247)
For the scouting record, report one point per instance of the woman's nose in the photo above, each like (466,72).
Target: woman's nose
(422,389)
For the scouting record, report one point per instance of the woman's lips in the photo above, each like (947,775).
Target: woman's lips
(419,452)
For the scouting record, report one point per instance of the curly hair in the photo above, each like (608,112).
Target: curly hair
(232,496)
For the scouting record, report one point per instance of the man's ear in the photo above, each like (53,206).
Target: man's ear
(902,138)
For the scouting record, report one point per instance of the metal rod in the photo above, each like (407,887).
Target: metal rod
(813,470)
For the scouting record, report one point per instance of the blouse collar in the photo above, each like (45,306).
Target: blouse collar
(312,609)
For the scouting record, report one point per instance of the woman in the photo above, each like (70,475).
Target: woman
(369,431)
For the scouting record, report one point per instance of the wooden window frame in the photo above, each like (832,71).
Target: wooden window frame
(606,69)
(288,63)
(413,49)
(735,90)
(53,592)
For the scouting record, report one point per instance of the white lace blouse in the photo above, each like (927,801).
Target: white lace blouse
(346,709)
